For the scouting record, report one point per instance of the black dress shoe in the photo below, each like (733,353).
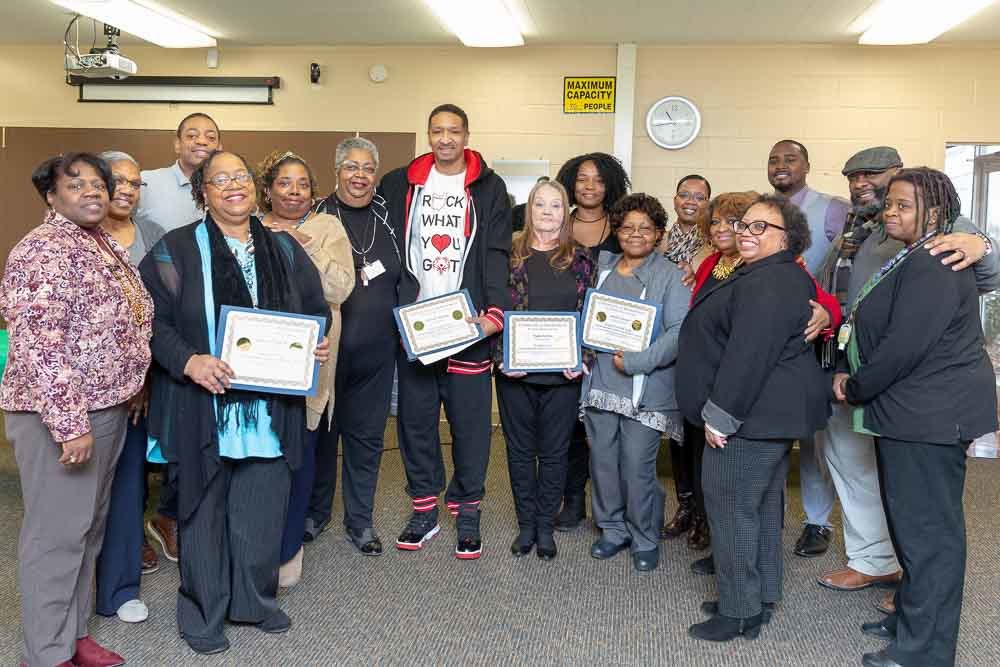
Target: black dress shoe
(711,607)
(878,659)
(814,541)
(646,561)
(704,567)
(546,547)
(365,541)
(602,550)
(276,624)
(700,537)
(574,511)
(724,628)
(883,629)
(681,523)
(522,544)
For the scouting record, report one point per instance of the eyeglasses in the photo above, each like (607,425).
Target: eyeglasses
(221,181)
(637,231)
(121,182)
(354,167)
(757,227)
(696,196)
(78,185)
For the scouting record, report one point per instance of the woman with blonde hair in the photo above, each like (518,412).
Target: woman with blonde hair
(549,271)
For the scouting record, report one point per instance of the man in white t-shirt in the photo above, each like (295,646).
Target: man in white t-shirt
(451,216)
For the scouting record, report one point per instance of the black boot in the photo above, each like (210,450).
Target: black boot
(682,521)
(700,537)
(711,607)
(574,510)
(724,628)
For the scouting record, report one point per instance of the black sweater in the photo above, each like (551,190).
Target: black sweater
(181,415)
(742,347)
(925,375)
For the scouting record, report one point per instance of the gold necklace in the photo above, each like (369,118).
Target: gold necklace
(724,268)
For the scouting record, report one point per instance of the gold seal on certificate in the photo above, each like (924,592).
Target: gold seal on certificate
(270,351)
(613,323)
(437,324)
(538,342)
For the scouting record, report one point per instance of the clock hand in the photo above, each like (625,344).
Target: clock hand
(679,121)
(668,114)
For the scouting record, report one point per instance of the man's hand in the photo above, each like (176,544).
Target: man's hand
(960,250)
(820,320)
(210,372)
(77,451)
(839,386)
(714,440)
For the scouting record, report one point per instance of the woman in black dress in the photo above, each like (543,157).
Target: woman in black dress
(594,181)
(924,388)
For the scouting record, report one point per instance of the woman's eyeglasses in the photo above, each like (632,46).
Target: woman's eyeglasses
(757,227)
(222,180)
(121,182)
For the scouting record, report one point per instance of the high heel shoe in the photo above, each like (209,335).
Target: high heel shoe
(724,628)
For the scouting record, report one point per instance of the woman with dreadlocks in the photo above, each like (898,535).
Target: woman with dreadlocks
(233,452)
(922,385)
(594,181)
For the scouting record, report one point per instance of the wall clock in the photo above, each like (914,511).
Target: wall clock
(673,122)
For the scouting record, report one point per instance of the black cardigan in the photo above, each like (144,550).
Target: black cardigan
(743,349)
(181,413)
(925,375)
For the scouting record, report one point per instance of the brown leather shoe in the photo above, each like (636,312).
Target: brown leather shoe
(150,561)
(164,530)
(887,603)
(681,523)
(91,654)
(849,579)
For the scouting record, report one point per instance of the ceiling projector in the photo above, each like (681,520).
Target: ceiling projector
(100,65)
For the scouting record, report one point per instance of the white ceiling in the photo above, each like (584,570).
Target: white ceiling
(336,22)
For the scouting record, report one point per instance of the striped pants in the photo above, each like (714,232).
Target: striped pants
(229,549)
(744,485)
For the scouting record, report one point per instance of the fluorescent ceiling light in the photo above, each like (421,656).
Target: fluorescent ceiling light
(479,22)
(895,22)
(146,20)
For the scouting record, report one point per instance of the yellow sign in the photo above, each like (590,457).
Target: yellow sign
(589,94)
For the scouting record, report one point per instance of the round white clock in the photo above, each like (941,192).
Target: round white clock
(673,122)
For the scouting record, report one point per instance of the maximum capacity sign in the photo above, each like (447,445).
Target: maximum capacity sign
(589,94)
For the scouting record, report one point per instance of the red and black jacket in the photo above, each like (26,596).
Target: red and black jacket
(487,230)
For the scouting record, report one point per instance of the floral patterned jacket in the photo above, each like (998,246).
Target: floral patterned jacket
(584,269)
(74,343)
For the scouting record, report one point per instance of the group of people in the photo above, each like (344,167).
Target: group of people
(850,327)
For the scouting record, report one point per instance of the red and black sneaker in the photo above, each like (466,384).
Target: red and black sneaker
(470,546)
(421,527)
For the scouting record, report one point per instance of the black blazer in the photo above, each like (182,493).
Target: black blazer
(742,347)
(925,375)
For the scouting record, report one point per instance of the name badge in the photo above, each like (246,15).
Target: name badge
(844,336)
(372,271)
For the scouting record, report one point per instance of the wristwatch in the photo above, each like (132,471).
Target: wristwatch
(988,242)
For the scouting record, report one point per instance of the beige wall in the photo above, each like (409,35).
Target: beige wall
(834,99)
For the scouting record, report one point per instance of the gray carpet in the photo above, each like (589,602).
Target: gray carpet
(428,608)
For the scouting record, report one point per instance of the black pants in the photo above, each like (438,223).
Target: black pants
(538,423)
(578,462)
(744,490)
(922,486)
(467,403)
(229,548)
(685,460)
(362,393)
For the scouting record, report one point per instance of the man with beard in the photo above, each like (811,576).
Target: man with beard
(166,201)
(856,255)
(787,167)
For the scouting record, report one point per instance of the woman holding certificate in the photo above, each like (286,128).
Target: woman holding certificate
(232,451)
(287,186)
(549,271)
(922,384)
(752,380)
(628,397)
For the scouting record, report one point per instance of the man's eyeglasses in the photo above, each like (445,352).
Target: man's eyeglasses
(222,180)
(757,227)
(121,182)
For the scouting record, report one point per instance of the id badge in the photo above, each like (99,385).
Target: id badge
(372,271)
(844,336)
